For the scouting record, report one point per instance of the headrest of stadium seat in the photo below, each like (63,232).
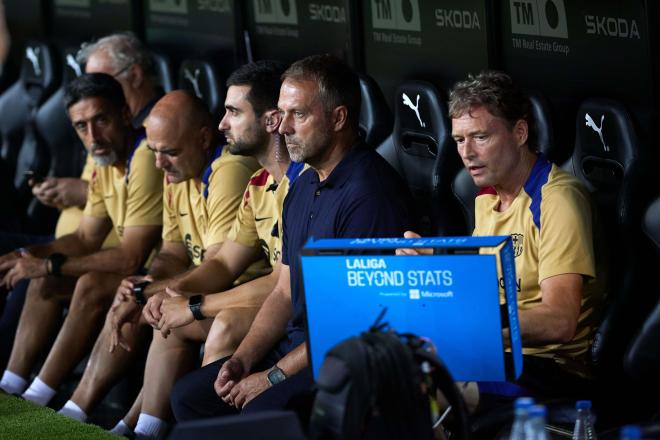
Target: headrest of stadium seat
(543,120)
(202,79)
(72,69)
(651,225)
(164,70)
(375,116)
(38,67)
(421,127)
(426,154)
(606,144)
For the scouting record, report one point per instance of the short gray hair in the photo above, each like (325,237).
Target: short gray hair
(123,50)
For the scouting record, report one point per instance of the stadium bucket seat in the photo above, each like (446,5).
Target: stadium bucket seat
(163,66)
(22,149)
(66,152)
(202,79)
(375,116)
(642,361)
(426,155)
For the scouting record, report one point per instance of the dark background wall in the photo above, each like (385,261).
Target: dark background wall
(568,50)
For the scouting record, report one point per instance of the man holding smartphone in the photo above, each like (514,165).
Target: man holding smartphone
(125,194)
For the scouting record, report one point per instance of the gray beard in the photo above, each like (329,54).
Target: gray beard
(106,159)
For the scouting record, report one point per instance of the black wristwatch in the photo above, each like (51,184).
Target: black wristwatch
(195,305)
(138,292)
(55,262)
(275,375)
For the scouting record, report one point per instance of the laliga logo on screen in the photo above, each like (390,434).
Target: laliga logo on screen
(71,62)
(414,107)
(194,80)
(32,54)
(590,123)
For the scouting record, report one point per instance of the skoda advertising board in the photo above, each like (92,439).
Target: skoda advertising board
(578,49)
(79,20)
(194,28)
(436,40)
(292,29)
(453,298)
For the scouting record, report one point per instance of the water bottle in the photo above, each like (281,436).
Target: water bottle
(631,432)
(521,409)
(584,427)
(535,427)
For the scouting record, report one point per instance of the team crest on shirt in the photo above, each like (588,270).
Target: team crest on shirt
(517,240)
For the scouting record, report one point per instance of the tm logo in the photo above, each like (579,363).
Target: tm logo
(399,15)
(544,18)
(276,11)
(169,6)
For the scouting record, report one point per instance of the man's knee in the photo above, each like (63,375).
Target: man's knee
(226,333)
(93,291)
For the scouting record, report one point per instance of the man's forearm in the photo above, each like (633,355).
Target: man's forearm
(268,327)
(294,361)
(250,294)
(113,260)
(69,244)
(211,276)
(542,325)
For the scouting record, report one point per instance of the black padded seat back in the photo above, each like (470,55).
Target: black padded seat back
(642,360)
(22,148)
(463,186)
(66,152)
(39,67)
(163,66)
(375,116)
(201,78)
(426,154)
(608,160)
(38,78)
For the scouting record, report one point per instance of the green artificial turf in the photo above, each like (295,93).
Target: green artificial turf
(23,420)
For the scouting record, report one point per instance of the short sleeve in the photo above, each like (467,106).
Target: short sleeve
(144,203)
(244,228)
(226,187)
(566,236)
(95,206)
(171,231)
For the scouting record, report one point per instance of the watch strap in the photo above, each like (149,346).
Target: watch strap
(195,305)
(56,261)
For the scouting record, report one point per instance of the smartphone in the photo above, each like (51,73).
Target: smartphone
(36,177)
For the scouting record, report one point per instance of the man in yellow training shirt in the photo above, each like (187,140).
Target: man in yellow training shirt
(548,214)
(125,194)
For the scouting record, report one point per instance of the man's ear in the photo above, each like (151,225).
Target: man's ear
(340,117)
(135,76)
(272,119)
(521,132)
(205,137)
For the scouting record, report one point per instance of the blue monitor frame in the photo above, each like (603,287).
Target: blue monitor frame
(416,291)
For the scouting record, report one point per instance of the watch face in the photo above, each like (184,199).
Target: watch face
(275,376)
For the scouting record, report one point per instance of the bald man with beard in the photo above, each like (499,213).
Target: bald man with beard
(203,187)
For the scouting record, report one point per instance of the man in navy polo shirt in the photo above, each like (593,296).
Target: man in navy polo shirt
(349,192)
